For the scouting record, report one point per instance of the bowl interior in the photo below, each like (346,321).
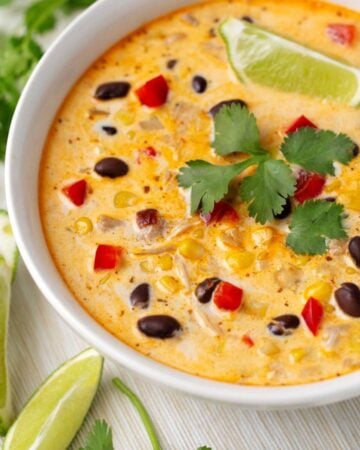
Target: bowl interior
(86,39)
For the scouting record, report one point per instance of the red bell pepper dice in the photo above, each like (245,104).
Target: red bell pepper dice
(154,92)
(308,185)
(341,33)
(76,192)
(300,122)
(149,151)
(313,313)
(222,212)
(227,296)
(107,257)
(248,341)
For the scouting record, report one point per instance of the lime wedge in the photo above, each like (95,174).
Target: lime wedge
(54,414)
(265,58)
(8,249)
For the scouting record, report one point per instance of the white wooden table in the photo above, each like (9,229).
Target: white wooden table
(40,341)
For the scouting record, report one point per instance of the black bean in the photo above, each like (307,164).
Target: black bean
(354,249)
(111,131)
(159,326)
(205,289)
(199,84)
(111,167)
(147,217)
(215,109)
(140,296)
(284,325)
(247,19)
(355,151)
(114,89)
(286,210)
(171,63)
(348,299)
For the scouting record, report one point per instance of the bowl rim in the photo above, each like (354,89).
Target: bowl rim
(21,214)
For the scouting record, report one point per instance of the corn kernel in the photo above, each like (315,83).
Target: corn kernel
(329,308)
(147,266)
(105,279)
(83,225)
(229,238)
(168,284)
(296,355)
(321,290)
(301,260)
(191,249)
(333,186)
(124,199)
(259,309)
(327,353)
(355,344)
(198,233)
(165,262)
(269,349)
(239,260)
(351,200)
(131,134)
(350,271)
(262,236)
(125,117)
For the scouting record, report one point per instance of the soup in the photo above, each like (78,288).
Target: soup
(221,292)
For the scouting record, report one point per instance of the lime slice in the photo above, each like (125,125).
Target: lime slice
(8,249)
(264,58)
(54,414)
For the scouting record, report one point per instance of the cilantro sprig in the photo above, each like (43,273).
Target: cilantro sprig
(100,437)
(20,53)
(268,188)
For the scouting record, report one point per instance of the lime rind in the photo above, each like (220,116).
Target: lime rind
(261,57)
(56,411)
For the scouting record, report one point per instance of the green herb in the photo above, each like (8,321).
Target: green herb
(204,448)
(100,437)
(317,150)
(209,183)
(21,53)
(149,426)
(313,223)
(266,191)
(236,131)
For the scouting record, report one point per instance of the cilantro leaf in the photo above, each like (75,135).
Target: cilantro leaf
(236,131)
(204,448)
(40,16)
(267,190)
(317,150)
(312,224)
(100,437)
(209,183)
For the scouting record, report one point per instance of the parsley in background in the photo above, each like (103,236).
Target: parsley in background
(20,53)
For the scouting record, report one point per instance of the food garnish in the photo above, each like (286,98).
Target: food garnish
(287,65)
(100,437)
(267,191)
(56,411)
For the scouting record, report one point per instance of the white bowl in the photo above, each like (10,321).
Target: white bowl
(86,39)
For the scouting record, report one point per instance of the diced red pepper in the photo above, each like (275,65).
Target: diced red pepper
(227,296)
(300,122)
(149,151)
(313,313)
(248,341)
(309,185)
(222,212)
(341,33)
(154,92)
(107,257)
(76,192)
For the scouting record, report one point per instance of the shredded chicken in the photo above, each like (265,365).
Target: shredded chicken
(151,232)
(332,334)
(288,277)
(151,124)
(182,226)
(107,223)
(182,271)
(154,250)
(206,323)
(337,247)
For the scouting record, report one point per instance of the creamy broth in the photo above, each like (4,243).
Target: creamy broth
(237,346)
